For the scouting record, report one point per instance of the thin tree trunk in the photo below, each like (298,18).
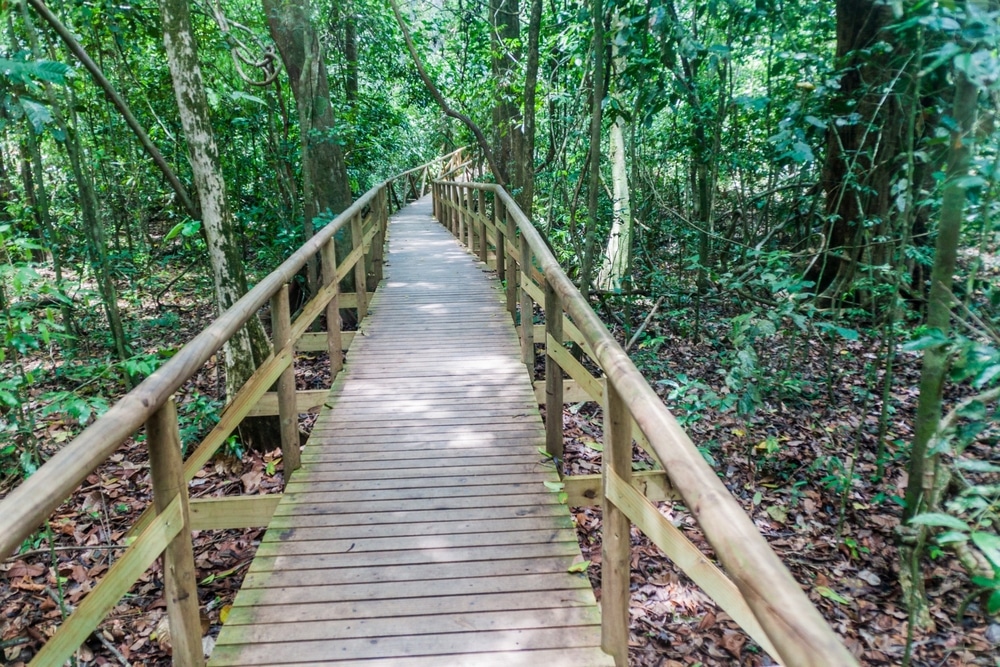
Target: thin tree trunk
(594,186)
(524,160)
(618,253)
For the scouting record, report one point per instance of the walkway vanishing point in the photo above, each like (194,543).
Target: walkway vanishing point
(418,530)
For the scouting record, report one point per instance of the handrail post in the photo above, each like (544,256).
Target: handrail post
(511,261)
(470,207)
(360,279)
(288,417)
(166,469)
(381,218)
(455,212)
(501,236)
(334,337)
(459,197)
(484,250)
(527,311)
(553,376)
(616,538)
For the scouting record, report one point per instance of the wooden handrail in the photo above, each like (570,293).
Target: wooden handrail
(793,627)
(29,504)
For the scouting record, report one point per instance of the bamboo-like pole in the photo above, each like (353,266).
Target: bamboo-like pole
(288,417)
(180,587)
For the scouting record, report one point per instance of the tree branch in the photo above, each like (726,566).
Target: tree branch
(443,103)
(67,37)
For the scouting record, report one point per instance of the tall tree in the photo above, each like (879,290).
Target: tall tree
(326,189)
(249,346)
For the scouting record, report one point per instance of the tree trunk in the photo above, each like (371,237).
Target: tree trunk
(524,159)
(594,186)
(249,346)
(617,254)
(505,36)
(326,189)
(861,149)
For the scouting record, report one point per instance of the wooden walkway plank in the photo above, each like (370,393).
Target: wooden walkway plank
(419,530)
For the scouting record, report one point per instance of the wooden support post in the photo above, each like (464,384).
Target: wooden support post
(512,272)
(527,311)
(180,587)
(281,324)
(470,213)
(501,239)
(334,338)
(434,201)
(453,203)
(460,229)
(616,539)
(360,279)
(553,376)
(378,242)
(483,245)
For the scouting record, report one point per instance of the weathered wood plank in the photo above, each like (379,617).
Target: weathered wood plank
(232,512)
(422,489)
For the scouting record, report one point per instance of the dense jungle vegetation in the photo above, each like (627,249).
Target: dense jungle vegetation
(788,211)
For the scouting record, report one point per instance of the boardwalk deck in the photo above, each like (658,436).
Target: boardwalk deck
(418,530)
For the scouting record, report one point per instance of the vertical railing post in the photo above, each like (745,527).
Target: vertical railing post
(455,212)
(527,311)
(512,272)
(501,236)
(459,197)
(288,416)
(360,279)
(616,539)
(470,207)
(434,201)
(553,375)
(381,219)
(166,469)
(484,250)
(334,338)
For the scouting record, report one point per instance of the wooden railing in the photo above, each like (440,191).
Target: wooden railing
(166,527)
(759,593)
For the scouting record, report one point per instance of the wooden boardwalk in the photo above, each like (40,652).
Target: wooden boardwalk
(418,530)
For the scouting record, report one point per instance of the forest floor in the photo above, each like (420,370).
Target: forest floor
(803,467)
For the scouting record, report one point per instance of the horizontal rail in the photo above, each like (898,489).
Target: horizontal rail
(781,617)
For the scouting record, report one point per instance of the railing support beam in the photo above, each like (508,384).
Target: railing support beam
(553,376)
(616,531)
(287,413)
(179,584)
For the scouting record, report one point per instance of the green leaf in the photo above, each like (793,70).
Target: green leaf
(932,338)
(993,604)
(989,544)
(554,486)
(543,452)
(174,231)
(563,497)
(37,114)
(940,520)
(831,594)
(579,567)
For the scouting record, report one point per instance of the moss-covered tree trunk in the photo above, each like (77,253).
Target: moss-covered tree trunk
(250,345)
